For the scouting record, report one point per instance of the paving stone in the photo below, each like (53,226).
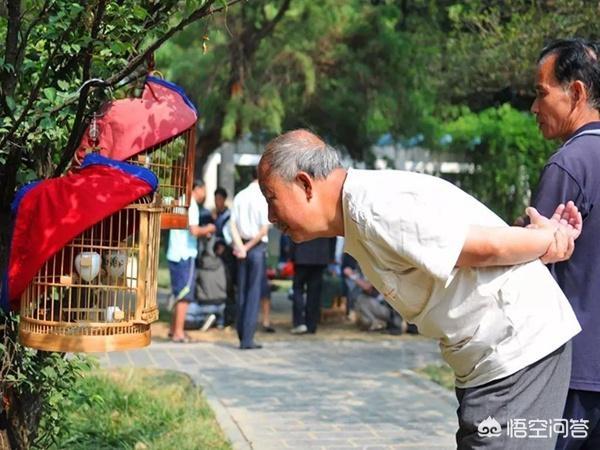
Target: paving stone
(315,395)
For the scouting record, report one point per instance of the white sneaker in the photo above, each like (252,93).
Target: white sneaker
(300,329)
(376,325)
(209,321)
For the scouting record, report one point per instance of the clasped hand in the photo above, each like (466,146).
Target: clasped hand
(563,228)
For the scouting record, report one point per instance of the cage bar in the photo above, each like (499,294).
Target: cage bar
(172,162)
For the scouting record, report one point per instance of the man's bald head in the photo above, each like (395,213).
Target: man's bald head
(296,151)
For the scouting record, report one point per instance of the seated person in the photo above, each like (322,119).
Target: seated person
(373,312)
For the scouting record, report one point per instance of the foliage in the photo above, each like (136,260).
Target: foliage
(239,71)
(508,152)
(339,67)
(58,45)
(138,408)
(492,48)
(41,377)
(378,75)
(354,70)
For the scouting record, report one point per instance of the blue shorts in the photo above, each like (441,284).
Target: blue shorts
(183,274)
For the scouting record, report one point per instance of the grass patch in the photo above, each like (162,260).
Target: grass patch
(139,409)
(441,374)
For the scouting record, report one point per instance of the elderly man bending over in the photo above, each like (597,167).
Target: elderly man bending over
(449,265)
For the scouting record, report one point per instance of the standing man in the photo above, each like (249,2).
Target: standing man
(224,249)
(250,223)
(566,107)
(449,265)
(181,255)
(310,261)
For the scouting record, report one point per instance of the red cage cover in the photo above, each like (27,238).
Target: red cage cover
(50,213)
(132,125)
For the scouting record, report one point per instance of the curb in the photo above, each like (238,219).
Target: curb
(230,427)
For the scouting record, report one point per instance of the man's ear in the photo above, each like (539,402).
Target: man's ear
(578,92)
(305,180)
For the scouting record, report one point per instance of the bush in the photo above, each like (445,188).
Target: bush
(508,152)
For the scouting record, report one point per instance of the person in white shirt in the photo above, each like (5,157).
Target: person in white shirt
(181,256)
(449,265)
(250,223)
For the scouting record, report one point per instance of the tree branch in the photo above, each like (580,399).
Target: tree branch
(268,27)
(79,124)
(32,25)
(200,13)
(8,77)
(156,14)
(35,91)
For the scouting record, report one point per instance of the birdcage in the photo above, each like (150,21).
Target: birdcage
(98,293)
(173,163)
(157,131)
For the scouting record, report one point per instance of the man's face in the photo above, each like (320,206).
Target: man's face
(289,206)
(219,202)
(553,105)
(199,194)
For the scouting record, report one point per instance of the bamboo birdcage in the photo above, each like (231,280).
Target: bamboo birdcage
(98,293)
(173,163)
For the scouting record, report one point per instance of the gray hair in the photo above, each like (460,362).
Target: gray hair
(300,150)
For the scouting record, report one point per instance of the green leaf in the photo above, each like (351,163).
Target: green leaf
(139,12)
(10,103)
(49,372)
(64,85)
(50,93)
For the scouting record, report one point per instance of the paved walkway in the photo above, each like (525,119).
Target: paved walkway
(315,395)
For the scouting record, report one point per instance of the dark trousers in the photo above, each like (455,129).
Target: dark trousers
(307,313)
(533,395)
(582,405)
(250,275)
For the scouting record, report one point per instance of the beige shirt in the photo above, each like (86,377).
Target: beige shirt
(407,230)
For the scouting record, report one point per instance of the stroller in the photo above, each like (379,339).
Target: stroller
(211,292)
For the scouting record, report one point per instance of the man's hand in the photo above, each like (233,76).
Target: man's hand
(565,225)
(239,252)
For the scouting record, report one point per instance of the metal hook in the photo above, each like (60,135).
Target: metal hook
(98,81)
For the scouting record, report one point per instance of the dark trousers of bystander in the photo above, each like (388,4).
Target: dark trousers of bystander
(581,406)
(249,277)
(307,312)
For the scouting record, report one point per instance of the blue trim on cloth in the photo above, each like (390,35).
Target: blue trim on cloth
(175,88)
(20,194)
(137,171)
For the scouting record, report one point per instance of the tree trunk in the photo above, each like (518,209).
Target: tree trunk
(242,51)
(24,414)
(4,442)
(19,414)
